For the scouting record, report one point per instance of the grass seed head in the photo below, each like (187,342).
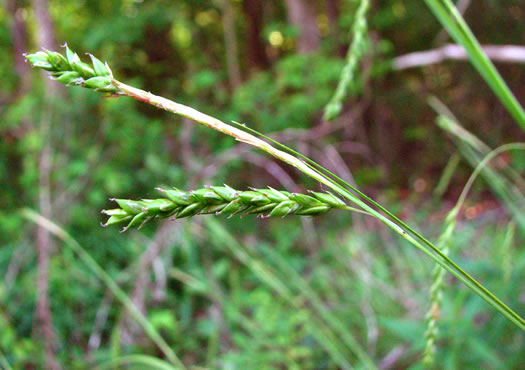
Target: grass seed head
(70,70)
(219,200)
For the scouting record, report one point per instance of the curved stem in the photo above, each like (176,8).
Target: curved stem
(318,173)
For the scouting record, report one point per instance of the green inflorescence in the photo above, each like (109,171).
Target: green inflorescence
(355,52)
(70,70)
(220,200)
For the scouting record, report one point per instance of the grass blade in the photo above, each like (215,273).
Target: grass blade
(323,336)
(342,187)
(451,19)
(444,242)
(143,361)
(506,184)
(110,283)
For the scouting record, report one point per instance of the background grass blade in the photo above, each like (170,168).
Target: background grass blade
(319,330)
(108,281)
(506,183)
(332,321)
(445,243)
(451,19)
(141,361)
(3,361)
(343,188)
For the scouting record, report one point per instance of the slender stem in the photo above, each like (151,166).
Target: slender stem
(431,250)
(215,124)
(473,284)
(444,243)
(481,166)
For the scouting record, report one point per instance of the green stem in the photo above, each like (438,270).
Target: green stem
(431,250)
(481,166)
(466,278)
(443,243)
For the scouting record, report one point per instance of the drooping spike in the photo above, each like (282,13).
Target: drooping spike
(222,200)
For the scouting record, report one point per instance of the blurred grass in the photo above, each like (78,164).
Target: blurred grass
(268,290)
(453,21)
(505,181)
(108,281)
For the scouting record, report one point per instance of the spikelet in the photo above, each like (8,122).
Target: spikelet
(220,200)
(70,70)
(355,52)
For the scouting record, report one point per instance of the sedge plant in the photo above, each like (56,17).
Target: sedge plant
(471,148)
(505,182)
(70,70)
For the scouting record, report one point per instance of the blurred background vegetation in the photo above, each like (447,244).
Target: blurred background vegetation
(329,292)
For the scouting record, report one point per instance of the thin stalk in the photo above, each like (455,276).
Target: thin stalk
(436,290)
(242,136)
(4,362)
(483,164)
(339,327)
(110,283)
(506,184)
(472,283)
(319,330)
(446,177)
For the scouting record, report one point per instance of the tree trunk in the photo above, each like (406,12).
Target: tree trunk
(332,12)
(46,31)
(301,14)
(19,36)
(255,47)
(46,39)
(230,42)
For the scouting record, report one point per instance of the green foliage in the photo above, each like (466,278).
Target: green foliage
(282,292)
(284,97)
